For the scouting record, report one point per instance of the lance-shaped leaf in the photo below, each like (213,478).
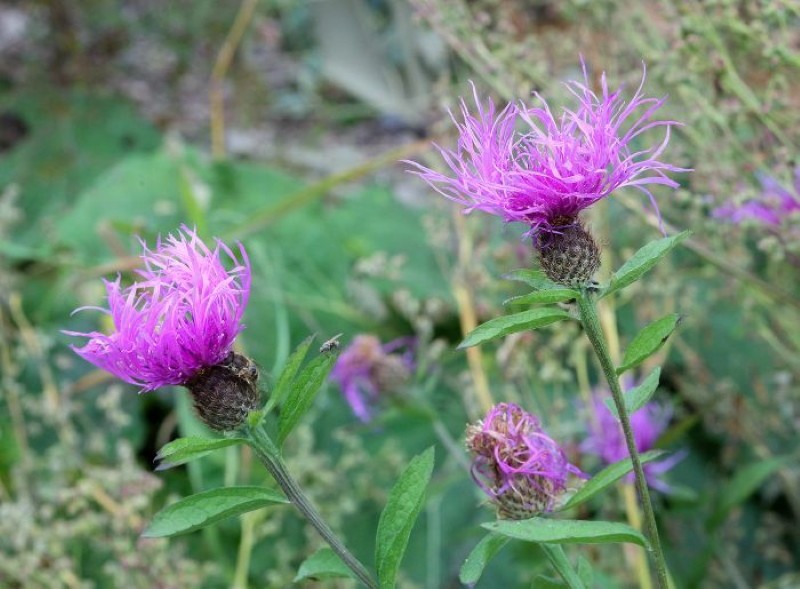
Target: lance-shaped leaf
(484,551)
(508,324)
(287,375)
(534,278)
(323,564)
(642,261)
(200,510)
(638,396)
(607,477)
(303,390)
(648,341)
(563,531)
(183,450)
(558,558)
(398,517)
(543,297)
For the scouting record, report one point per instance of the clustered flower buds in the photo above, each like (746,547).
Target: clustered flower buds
(176,326)
(545,174)
(522,470)
(368,368)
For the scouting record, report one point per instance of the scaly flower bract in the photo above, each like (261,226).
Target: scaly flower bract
(522,470)
(367,368)
(180,317)
(551,169)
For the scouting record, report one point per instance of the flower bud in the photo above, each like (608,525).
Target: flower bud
(224,394)
(570,256)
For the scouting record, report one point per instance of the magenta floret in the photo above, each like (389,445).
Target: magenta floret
(180,317)
(525,164)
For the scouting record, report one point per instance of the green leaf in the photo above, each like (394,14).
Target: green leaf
(534,278)
(323,564)
(507,324)
(642,261)
(200,510)
(286,377)
(543,582)
(744,483)
(303,391)
(543,297)
(398,517)
(648,341)
(183,450)
(585,571)
(558,558)
(564,531)
(484,551)
(606,477)
(638,396)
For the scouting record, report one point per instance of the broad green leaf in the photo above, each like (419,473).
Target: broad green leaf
(564,531)
(484,551)
(200,510)
(744,483)
(183,450)
(323,564)
(642,261)
(534,278)
(284,382)
(398,517)
(638,396)
(648,341)
(543,297)
(507,324)
(303,390)
(558,558)
(606,477)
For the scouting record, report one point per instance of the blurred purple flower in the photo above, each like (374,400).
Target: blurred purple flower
(607,441)
(180,317)
(368,368)
(771,207)
(516,464)
(553,168)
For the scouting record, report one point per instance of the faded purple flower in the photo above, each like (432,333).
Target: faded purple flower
(772,206)
(522,470)
(180,317)
(607,441)
(368,368)
(525,164)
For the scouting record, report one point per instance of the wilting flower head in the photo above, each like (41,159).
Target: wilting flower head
(607,441)
(367,368)
(180,317)
(526,164)
(774,204)
(522,470)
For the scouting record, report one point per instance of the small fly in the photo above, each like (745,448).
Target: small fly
(331,344)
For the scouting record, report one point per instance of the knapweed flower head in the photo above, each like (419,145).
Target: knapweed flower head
(177,323)
(522,470)
(773,206)
(606,439)
(526,164)
(367,368)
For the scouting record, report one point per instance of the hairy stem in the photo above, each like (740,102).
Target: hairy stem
(591,325)
(269,455)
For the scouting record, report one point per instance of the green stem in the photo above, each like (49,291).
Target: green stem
(558,558)
(591,325)
(269,455)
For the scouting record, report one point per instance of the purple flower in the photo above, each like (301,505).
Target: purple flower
(525,164)
(522,470)
(772,206)
(181,316)
(607,441)
(367,368)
